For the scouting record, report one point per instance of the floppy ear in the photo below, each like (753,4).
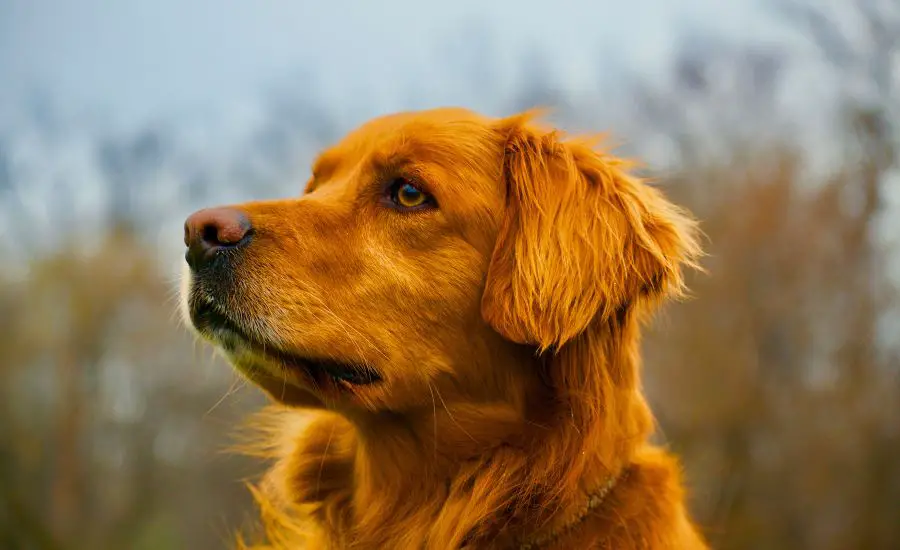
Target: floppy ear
(580,239)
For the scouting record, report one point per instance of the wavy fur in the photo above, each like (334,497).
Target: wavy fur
(507,330)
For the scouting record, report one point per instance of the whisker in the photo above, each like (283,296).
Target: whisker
(232,389)
(451,415)
(322,462)
(434,415)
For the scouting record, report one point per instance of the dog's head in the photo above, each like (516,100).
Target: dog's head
(432,253)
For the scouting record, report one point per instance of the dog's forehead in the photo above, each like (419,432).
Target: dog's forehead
(434,117)
(386,134)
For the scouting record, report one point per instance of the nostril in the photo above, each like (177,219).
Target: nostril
(211,235)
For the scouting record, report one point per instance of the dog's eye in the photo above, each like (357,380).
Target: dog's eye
(406,195)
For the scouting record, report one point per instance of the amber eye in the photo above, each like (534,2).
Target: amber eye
(406,195)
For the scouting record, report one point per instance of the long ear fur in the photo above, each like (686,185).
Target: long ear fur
(581,238)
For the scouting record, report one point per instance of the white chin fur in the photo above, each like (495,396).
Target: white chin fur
(185,289)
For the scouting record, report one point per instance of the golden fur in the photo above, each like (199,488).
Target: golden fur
(504,324)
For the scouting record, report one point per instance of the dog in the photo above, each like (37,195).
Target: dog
(448,322)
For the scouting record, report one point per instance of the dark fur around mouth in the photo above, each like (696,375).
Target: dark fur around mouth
(231,335)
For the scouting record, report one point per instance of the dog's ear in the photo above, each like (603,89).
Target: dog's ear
(580,238)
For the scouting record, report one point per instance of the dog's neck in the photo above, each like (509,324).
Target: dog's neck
(594,501)
(497,469)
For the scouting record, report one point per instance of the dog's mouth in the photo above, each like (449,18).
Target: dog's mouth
(233,337)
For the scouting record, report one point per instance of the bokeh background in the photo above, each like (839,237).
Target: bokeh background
(776,122)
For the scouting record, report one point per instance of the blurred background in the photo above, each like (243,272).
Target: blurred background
(775,122)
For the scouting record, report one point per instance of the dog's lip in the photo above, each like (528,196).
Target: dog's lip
(211,321)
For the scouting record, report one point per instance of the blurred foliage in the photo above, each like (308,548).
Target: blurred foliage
(772,382)
(105,410)
(778,382)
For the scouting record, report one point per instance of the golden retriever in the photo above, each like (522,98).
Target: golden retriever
(448,318)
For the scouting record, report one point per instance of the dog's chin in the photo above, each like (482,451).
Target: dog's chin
(282,388)
(291,379)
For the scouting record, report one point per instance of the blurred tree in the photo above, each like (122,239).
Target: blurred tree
(537,84)
(101,424)
(779,425)
(775,381)
(132,168)
(714,88)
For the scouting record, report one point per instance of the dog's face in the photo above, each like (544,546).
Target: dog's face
(367,287)
(431,254)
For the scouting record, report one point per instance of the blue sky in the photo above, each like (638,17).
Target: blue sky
(139,59)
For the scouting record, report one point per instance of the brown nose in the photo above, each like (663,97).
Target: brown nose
(209,231)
